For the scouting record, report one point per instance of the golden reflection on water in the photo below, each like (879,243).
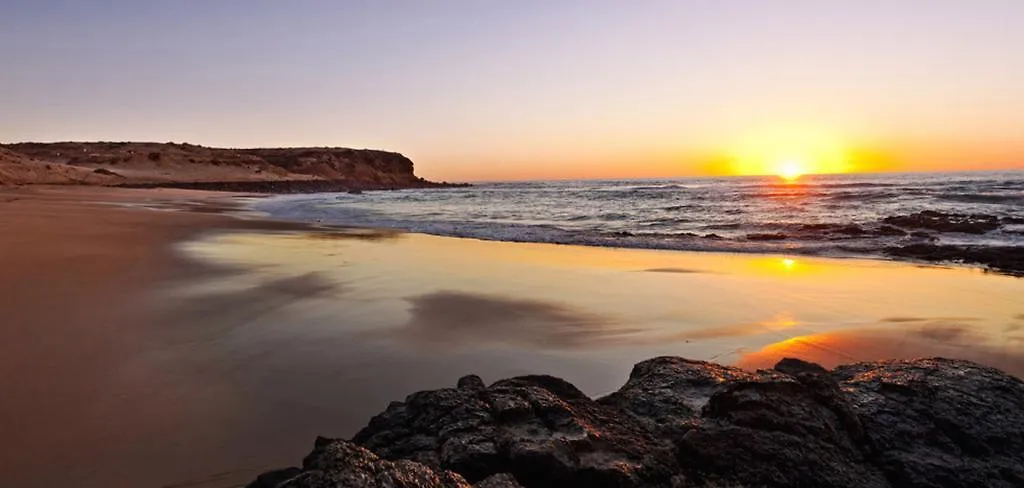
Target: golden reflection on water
(425,291)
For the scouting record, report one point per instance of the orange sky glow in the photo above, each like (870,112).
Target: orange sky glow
(476,91)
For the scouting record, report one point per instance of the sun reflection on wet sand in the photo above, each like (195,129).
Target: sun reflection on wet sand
(872,344)
(298,334)
(423,289)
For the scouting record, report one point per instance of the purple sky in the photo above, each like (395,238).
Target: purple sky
(518,89)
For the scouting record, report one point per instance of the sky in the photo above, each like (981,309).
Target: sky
(492,90)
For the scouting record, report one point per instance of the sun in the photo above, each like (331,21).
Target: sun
(789,154)
(790,170)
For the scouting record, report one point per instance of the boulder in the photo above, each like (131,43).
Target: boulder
(682,423)
(337,463)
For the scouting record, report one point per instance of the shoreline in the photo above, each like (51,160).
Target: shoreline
(1001,260)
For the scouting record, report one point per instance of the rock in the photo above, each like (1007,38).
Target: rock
(666,393)
(675,423)
(796,367)
(503,480)
(338,463)
(774,433)
(1006,259)
(940,422)
(540,429)
(943,222)
(472,382)
(271,479)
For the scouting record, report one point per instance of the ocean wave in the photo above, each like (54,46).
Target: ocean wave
(821,215)
(857,185)
(1017,199)
(865,196)
(667,187)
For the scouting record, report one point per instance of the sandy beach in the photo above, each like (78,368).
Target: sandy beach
(78,263)
(171,345)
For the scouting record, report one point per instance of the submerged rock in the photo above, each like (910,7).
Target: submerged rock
(945,222)
(678,423)
(1005,259)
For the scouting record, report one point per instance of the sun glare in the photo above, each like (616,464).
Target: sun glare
(789,154)
(790,170)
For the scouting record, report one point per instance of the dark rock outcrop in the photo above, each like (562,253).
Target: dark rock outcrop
(937,422)
(677,423)
(338,463)
(1004,259)
(945,222)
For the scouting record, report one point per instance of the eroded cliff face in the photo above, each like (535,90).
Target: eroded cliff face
(341,164)
(680,423)
(188,165)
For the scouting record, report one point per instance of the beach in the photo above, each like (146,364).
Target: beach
(78,266)
(155,341)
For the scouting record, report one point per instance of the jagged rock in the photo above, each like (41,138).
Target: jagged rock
(777,431)
(1006,259)
(338,463)
(503,480)
(940,422)
(675,423)
(796,367)
(667,393)
(540,429)
(472,382)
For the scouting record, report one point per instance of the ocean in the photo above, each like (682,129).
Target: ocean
(832,215)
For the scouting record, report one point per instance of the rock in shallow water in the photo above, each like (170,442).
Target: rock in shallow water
(676,423)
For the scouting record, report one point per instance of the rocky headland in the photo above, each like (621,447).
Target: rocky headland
(145,165)
(681,423)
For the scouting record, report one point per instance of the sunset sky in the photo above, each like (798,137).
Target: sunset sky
(483,89)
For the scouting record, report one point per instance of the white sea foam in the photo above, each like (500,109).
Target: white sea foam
(834,215)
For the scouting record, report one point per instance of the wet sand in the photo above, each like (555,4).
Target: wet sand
(143,349)
(79,265)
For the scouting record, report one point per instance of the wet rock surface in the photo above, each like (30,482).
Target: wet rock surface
(678,423)
(336,463)
(945,222)
(1005,259)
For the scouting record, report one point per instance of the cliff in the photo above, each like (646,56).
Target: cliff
(143,164)
(680,423)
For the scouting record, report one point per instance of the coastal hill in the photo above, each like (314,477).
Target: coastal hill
(145,164)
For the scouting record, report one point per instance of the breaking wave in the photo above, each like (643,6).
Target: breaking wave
(831,215)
